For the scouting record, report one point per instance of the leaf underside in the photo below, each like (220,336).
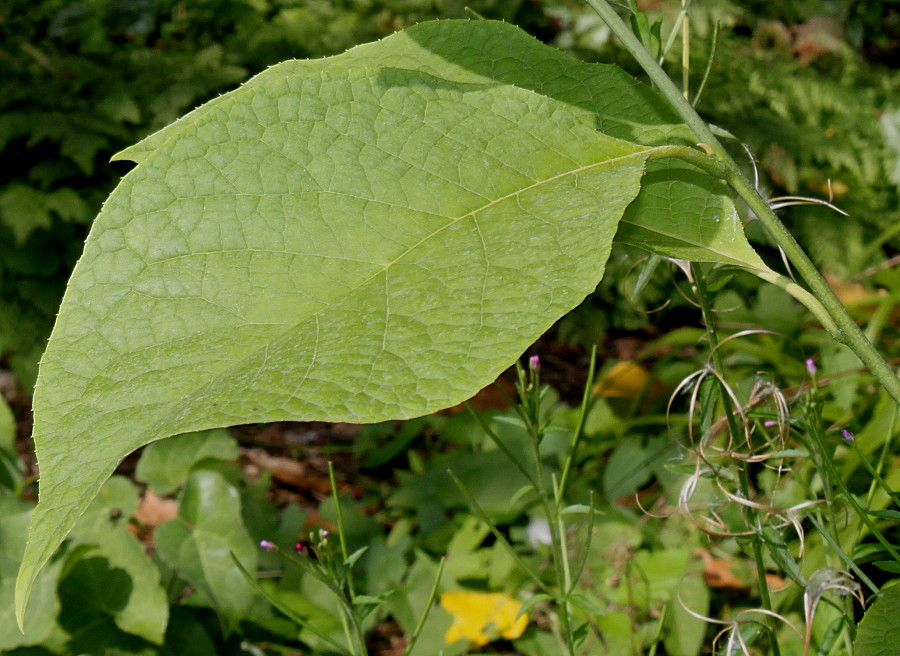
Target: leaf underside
(370,236)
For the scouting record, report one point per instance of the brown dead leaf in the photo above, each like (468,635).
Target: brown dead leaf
(719,573)
(153,509)
(288,471)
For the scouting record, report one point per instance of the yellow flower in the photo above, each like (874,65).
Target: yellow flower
(480,617)
(625,380)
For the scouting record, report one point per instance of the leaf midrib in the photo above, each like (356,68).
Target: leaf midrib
(238,364)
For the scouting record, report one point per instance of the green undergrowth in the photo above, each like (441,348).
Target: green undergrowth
(668,543)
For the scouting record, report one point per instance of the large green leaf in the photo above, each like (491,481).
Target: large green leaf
(878,633)
(200,542)
(679,213)
(356,246)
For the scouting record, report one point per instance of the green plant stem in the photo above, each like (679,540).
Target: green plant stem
(853,567)
(579,428)
(849,333)
(414,638)
(816,431)
(744,482)
(340,521)
(885,451)
(556,541)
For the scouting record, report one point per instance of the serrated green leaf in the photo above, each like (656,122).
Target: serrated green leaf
(878,634)
(199,542)
(166,464)
(352,247)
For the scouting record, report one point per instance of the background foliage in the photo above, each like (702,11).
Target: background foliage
(810,86)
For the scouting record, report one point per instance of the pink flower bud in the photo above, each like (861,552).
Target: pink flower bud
(534,363)
(268,546)
(811,366)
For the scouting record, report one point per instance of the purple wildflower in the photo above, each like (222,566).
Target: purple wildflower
(848,435)
(534,363)
(769,423)
(811,366)
(265,544)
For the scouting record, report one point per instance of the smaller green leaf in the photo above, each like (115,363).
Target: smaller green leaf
(585,604)
(626,470)
(886,514)
(777,548)
(366,600)
(791,453)
(580,633)
(533,601)
(578,509)
(145,612)
(198,543)
(7,427)
(888,566)
(40,617)
(684,632)
(878,634)
(166,464)
(356,555)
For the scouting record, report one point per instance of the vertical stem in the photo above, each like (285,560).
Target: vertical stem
(850,333)
(751,516)
(556,542)
(685,53)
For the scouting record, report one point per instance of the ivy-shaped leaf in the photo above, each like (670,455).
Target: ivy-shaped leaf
(351,246)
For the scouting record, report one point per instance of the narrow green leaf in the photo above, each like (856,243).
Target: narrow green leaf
(366,600)
(533,601)
(886,514)
(891,566)
(350,247)
(356,555)
(7,427)
(585,604)
(578,509)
